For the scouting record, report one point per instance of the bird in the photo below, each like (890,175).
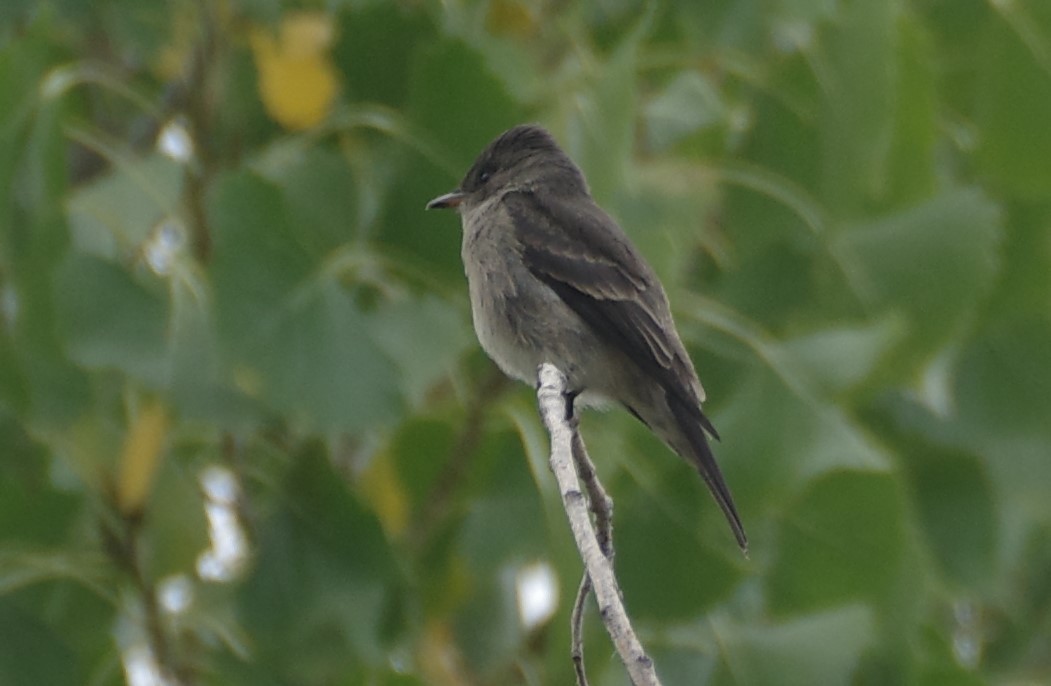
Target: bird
(553,278)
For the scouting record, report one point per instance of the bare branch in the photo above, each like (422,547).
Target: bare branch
(576,630)
(601,506)
(551,395)
(599,502)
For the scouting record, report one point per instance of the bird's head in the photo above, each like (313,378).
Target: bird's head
(519,158)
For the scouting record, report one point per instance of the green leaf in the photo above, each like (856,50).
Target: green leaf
(500,527)
(1013,98)
(859,81)
(321,361)
(842,541)
(178,531)
(34,178)
(958,513)
(457,106)
(31,512)
(777,436)
(837,359)
(377,48)
(663,215)
(325,592)
(31,140)
(488,628)
(932,262)
(668,569)
(600,126)
(421,436)
(688,104)
(199,383)
(448,78)
(110,321)
(319,190)
(296,335)
(115,214)
(1002,393)
(912,169)
(1002,380)
(426,338)
(820,648)
(258,258)
(34,653)
(951,486)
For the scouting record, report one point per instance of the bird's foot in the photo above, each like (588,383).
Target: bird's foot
(570,397)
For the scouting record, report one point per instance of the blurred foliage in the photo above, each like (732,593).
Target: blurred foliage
(248,435)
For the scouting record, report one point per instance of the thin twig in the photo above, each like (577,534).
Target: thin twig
(601,506)
(599,502)
(576,630)
(552,400)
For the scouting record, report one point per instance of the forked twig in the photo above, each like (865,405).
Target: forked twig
(568,455)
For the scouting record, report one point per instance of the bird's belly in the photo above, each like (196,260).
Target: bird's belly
(520,328)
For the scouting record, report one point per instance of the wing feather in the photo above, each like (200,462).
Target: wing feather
(585,258)
(581,254)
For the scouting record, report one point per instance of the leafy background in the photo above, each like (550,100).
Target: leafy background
(248,437)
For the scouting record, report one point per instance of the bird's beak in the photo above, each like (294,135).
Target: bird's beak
(452,199)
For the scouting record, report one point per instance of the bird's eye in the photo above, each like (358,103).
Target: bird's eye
(484,176)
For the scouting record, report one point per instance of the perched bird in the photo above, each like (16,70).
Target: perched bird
(553,278)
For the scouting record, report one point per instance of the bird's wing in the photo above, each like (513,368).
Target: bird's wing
(584,257)
(581,254)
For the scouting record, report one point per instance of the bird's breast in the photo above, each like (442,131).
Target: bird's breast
(520,322)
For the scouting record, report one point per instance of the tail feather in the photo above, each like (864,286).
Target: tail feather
(692,422)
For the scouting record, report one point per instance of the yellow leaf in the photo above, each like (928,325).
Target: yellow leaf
(384,491)
(511,18)
(297,79)
(439,657)
(141,457)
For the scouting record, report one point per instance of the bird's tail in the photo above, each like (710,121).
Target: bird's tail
(691,423)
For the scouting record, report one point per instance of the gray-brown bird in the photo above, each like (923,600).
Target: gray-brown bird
(553,278)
